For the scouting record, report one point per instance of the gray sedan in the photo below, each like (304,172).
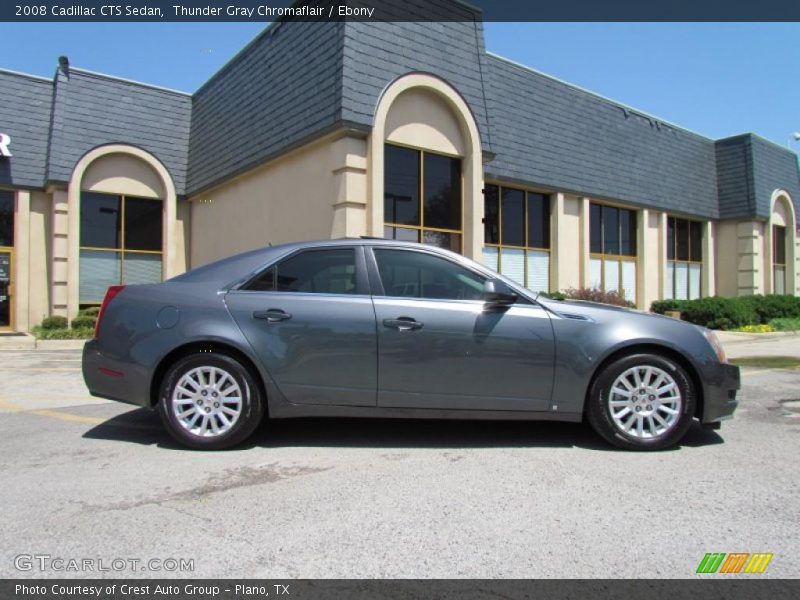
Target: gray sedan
(375,328)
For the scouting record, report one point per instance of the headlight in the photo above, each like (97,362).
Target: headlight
(716,345)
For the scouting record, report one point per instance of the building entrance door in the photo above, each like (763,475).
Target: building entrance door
(6,288)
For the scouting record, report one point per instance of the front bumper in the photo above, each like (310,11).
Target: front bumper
(721,387)
(113,379)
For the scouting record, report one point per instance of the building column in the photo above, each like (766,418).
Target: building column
(663,228)
(349,167)
(750,263)
(60,254)
(21,266)
(650,264)
(708,284)
(565,228)
(584,254)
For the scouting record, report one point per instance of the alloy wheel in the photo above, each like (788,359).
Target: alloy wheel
(645,402)
(207,401)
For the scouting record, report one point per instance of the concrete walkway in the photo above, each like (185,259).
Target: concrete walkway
(738,345)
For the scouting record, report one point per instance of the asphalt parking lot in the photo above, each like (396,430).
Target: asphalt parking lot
(86,478)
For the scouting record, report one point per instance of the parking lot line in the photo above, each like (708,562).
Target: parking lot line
(53,414)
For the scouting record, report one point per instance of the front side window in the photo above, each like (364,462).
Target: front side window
(422,197)
(612,246)
(517,235)
(121,242)
(779,259)
(407,274)
(6,218)
(684,259)
(310,272)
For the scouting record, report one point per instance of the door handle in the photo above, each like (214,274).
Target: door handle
(273,315)
(403,323)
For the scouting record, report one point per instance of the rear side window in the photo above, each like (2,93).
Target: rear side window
(311,272)
(407,274)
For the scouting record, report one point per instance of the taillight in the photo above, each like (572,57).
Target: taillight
(110,295)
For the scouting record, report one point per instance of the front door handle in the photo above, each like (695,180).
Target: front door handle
(273,315)
(403,323)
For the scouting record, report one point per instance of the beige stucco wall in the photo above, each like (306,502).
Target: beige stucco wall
(651,261)
(418,118)
(316,192)
(123,174)
(750,259)
(39,236)
(726,258)
(565,229)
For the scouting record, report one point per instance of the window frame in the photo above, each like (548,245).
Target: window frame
(121,251)
(602,256)
(775,264)
(362,280)
(500,245)
(688,262)
(421,228)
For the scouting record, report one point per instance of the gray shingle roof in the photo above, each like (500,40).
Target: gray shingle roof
(555,135)
(749,170)
(280,90)
(377,53)
(25,116)
(91,110)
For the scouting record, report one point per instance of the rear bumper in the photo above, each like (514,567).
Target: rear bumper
(112,379)
(720,399)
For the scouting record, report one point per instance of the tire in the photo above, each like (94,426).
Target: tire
(665,416)
(209,385)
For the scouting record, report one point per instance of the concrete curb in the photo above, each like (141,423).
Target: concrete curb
(60,344)
(29,342)
(747,336)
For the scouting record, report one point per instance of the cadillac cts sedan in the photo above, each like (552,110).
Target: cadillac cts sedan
(377,328)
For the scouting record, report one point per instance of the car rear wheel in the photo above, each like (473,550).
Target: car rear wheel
(642,402)
(210,401)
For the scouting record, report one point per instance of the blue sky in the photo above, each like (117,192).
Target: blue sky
(715,79)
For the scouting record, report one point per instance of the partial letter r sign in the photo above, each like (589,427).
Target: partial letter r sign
(5,144)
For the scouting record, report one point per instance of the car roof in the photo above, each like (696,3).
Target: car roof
(240,264)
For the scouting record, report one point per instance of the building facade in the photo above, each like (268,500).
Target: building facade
(404,130)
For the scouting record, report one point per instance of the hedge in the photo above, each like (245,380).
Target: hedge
(83,322)
(54,322)
(717,312)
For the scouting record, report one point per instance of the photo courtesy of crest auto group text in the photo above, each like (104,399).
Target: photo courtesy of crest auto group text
(399,299)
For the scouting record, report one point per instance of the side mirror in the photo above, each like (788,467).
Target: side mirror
(496,293)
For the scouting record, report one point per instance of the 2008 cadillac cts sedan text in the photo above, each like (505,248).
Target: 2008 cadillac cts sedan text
(376,328)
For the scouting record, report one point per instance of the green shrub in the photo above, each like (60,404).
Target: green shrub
(719,313)
(662,306)
(554,295)
(83,322)
(774,306)
(92,311)
(597,295)
(63,333)
(785,324)
(54,323)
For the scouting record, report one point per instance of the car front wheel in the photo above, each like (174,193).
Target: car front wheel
(642,402)
(210,401)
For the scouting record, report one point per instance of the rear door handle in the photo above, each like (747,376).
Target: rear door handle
(403,323)
(273,315)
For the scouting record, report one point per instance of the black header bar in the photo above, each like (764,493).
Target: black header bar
(397,10)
